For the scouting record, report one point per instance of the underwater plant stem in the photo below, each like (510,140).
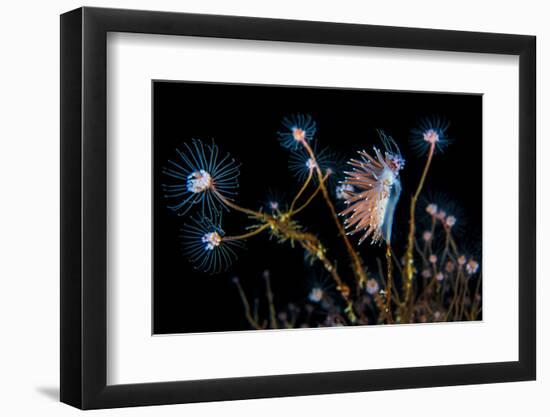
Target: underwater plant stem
(428,287)
(357,263)
(246,306)
(381,306)
(389,282)
(286,230)
(311,244)
(308,201)
(254,232)
(396,261)
(453,246)
(446,249)
(304,186)
(409,259)
(474,311)
(428,243)
(420,252)
(256,306)
(342,288)
(457,303)
(269,293)
(235,206)
(465,293)
(455,294)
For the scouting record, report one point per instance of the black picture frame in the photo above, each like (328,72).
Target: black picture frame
(84,207)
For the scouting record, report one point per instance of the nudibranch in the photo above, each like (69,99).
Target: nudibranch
(376,190)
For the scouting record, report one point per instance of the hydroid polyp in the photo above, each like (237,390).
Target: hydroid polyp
(200,176)
(205,245)
(297,129)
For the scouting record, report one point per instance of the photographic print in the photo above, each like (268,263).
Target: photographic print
(283,207)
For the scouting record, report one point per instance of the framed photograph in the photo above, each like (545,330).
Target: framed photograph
(257,208)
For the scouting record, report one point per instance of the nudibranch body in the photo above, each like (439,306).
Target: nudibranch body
(376,185)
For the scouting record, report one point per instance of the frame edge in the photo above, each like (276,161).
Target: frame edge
(528,207)
(70,214)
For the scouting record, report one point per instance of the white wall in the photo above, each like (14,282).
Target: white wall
(29,226)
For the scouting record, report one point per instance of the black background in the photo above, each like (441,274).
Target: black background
(243,120)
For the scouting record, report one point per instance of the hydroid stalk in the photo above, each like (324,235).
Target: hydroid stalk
(358,269)
(409,259)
